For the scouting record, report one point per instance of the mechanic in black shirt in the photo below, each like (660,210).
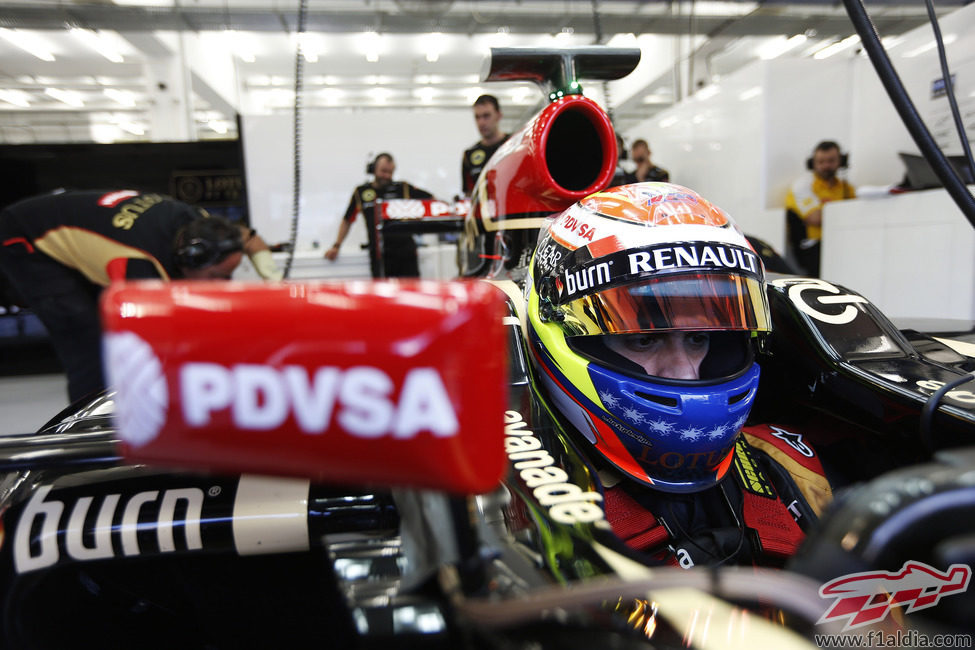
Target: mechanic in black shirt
(645,169)
(60,249)
(487,116)
(399,250)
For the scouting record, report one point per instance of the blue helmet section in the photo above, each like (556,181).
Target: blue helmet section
(679,434)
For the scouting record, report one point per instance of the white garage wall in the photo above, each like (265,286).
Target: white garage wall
(336,146)
(878,133)
(748,138)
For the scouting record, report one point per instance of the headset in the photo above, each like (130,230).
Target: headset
(371,166)
(213,240)
(829,144)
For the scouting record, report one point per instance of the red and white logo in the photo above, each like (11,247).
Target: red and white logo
(865,598)
(112,199)
(142,396)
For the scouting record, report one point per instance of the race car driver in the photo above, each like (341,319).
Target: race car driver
(645,308)
(60,249)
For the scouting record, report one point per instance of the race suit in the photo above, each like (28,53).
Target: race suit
(774,491)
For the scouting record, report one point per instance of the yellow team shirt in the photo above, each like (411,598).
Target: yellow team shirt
(812,192)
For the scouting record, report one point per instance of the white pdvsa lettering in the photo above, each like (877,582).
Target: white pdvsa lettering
(48,553)
(261,398)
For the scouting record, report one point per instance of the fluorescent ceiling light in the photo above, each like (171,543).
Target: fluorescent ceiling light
(132,127)
(99,42)
(145,3)
(426,94)
(521,94)
(658,98)
(623,40)
(500,38)
(372,45)
(123,97)
(717,8)
(65,96)
(707,92)
(312,46)
(331,95)
(947,40)
(754,91)
(15,97)
(839,46)
(780,45)
(668,122)
(380,95)
(241,44)
(104,133)
(28,42)
(434,43)
(471,94)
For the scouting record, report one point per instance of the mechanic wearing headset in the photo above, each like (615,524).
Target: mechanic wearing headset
(806,198)
(60,249)
(645,308)
(399,250)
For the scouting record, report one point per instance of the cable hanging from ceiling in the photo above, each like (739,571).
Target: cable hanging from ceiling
(299,85)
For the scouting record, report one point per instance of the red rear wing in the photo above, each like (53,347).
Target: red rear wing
(423,209)
(392,383)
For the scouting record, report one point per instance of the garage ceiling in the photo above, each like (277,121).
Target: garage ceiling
(391,54)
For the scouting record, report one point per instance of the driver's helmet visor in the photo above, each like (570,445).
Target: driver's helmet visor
(698,301)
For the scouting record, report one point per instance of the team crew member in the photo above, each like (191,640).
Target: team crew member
(805,201)
(644,342)
(399,250)
(487,116)
(60,249)
(645,169)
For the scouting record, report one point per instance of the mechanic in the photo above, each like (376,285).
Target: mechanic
(399,251)
(645,341)
(645,169)
(487,116)
(806,198)
(60,249)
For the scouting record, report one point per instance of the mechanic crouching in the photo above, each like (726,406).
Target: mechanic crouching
(646,308)
(59,250)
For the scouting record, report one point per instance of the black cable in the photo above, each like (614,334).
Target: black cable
(299,84)
(950,87)
(741,531)
(930,406)
(906,109)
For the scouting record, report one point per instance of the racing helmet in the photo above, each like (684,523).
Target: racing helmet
(614,280)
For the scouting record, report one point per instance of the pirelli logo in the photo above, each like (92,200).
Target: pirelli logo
(749,474)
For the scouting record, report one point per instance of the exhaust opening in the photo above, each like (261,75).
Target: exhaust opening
(573,152)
